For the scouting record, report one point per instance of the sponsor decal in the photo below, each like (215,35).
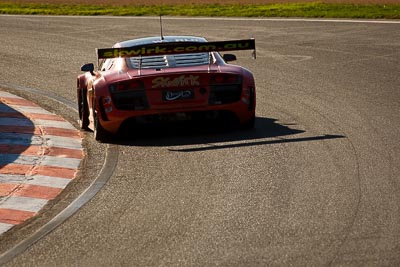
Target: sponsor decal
(181,81)
(175,95)
(175,48)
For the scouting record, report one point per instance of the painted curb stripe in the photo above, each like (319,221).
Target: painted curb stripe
(41,150)
(62,132)
(64,152)
(63,142)
(17,101)
(40,153)
(29,110)
(54,172)
(15,169)
(4,227)
(38,170)
(52,117)
(19,159)
(4,94)
(6,109)
(20,129)
(41,180)
(32,191)
(14,217)
(50,140)
(4,114)
(58,124)
(34,116)
(21,149)
(24,203)
(20,139)
(41,130)
(69,163)
(16,121)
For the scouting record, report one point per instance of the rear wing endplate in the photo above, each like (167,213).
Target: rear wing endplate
(169,48)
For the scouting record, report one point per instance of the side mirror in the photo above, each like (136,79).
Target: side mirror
(229,57)
(88,67)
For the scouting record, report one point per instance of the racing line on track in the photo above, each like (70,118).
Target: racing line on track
(40,154)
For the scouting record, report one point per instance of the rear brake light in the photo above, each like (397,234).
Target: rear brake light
(225,79)
(219,79)
(126,86)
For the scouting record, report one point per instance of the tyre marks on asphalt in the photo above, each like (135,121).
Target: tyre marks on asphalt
(40,154)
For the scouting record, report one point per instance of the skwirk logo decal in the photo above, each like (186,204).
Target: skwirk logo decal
(186,94)
(181,81)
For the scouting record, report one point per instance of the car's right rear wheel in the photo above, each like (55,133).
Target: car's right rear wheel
(99,133)
(250,124)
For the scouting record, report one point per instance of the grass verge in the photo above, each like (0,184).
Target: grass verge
(308,10)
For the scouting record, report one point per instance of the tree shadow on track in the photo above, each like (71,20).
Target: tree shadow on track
(16,133)
(205,133)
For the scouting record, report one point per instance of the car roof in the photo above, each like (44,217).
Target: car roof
(159,39)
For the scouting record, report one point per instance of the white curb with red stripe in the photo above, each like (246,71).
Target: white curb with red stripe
(39,156)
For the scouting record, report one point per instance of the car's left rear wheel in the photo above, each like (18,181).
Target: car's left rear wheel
(83,111)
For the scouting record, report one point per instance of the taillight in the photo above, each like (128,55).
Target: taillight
(219,79)
(225,88)
(126,86)
(225,79)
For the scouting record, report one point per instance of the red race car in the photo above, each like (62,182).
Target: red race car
(165,78)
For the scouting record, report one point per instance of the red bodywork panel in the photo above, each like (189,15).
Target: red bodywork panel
(121,93)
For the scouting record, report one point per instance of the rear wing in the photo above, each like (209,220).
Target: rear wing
(169,48)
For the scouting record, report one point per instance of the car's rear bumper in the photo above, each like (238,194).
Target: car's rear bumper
(112,119)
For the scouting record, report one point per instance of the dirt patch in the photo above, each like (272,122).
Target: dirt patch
(172,2)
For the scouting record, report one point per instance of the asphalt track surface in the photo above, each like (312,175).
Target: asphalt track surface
(316,182)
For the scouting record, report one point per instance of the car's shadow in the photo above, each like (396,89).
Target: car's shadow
(187,133)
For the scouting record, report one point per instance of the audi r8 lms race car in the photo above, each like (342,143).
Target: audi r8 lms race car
(165,78)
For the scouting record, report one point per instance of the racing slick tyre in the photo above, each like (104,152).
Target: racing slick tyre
(83,111)
(99,133)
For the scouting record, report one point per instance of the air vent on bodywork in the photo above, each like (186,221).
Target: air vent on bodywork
(191,59)
(169,61)
(154,62)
